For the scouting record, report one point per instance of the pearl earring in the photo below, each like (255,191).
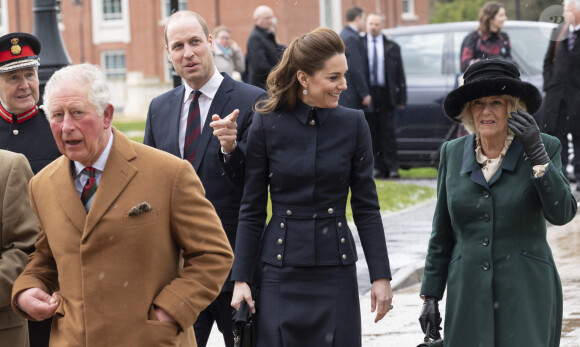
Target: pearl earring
(305,92)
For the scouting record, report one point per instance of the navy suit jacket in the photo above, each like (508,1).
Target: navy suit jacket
(356,78)
(223,182)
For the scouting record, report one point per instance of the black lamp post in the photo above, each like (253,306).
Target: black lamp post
(174,5)
(53,55)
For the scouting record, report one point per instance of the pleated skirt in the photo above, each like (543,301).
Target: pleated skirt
(314,306)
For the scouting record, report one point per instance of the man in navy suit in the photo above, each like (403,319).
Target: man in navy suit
(388,90)
(358,94)
(216,147)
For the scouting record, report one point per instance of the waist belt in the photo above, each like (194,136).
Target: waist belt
(306,212)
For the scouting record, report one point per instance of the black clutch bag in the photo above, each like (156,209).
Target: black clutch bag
(243,326)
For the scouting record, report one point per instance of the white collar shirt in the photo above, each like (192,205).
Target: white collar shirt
(80,178)
(380,59)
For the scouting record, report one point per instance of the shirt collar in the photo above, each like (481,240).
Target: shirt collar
(209,89)
(100,163)
(17,118)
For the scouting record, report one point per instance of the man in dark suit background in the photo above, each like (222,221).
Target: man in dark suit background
(263,52)
(219,160)
(357,95)
(562,86)
(388,90)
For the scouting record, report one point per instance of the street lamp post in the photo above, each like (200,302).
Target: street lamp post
(174,5)
(53,54)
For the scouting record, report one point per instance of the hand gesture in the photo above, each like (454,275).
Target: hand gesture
(37,304)
(226,130)
(525,128)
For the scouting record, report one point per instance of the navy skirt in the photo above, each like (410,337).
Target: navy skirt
(315,306)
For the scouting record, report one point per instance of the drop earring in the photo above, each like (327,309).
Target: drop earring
(305,92)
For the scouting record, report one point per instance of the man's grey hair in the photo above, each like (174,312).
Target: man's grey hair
(575,2)
(82,74)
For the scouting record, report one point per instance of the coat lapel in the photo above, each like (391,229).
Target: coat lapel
(175,108)
(66,194)
(117,174)
(509,161)
(220,100)
(470,164)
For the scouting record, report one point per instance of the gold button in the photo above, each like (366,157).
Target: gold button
(289,213)
(312,122)
(344,257)
(330,210)
(15,132)
(340,224)
(279,257)
(342,240)
(281,225)
(280,241)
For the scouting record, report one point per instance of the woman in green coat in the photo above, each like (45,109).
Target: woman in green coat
(496,189)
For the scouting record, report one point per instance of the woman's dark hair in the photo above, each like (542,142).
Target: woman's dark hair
(308,53)
(486,14)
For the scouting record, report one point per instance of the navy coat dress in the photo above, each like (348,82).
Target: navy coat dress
(309,158)
(489,247)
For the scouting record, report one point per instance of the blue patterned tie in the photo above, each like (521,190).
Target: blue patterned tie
(571,39)
(90,188)
(193,129)
(375,77)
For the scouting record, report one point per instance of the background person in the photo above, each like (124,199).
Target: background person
(496,189)
(388,90)
(358,95)
(488,41)
(18,235)
(308,152)
(220,146)
(227,55)
(263,52)
(130,250)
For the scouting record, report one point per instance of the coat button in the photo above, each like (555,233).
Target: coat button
(279,257)
(548,190)
(288,212)
(546,183)
(15,132)
(485,217)
(312,122)
(485,241)
(344,257)
(330,210)
(485,266)
(280,241)
(485,194)
(281,225)
(342,240)
(340,224)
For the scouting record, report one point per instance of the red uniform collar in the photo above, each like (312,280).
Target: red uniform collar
(17,118)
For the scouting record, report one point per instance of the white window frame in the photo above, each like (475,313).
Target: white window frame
(165,4)
(4,25)
(410,13)
(112,15)
(116,70)
(330,14)
(110,30)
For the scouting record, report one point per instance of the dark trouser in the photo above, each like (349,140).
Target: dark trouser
(39,332)
(219,311)
(563,126)
(381,124)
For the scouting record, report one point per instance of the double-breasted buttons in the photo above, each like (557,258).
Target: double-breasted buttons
(485,241)
(485,217)
(282,225)
(288,213)
(279,257)
(485,194)
(343,241)
(340,224)
(312,122)
(280,241)
(485,266)
(330,210)
(344,257)
(15,132)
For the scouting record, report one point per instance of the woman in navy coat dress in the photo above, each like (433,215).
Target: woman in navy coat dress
(308,152)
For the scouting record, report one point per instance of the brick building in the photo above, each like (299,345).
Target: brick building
(125,37)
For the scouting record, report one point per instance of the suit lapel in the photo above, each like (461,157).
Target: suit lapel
(175,108)
(509,161)
(470,164)
(66,194)
(220,100)
(117,174)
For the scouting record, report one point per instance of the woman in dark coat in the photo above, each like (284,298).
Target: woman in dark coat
(496,189)
(308,152)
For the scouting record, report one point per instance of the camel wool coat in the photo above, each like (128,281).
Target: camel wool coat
(110,267)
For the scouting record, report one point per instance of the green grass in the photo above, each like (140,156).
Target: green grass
(393,196)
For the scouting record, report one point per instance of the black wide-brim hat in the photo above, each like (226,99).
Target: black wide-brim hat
(487,78)
(18,51)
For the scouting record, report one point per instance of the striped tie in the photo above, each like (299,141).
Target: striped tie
(571,39)
(90,188)
(193,129)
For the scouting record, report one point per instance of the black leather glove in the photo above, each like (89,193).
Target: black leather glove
(525,128)
(431,317)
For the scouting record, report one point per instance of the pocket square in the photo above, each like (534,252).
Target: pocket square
(143,207)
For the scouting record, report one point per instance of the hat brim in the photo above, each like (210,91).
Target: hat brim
(20,64)
(456,99)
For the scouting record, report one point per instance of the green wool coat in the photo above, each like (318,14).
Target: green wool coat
(489,246)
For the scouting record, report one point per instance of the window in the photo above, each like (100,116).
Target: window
(114,62)
(112,10)
(422,54)
(181,5)
(409,10)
